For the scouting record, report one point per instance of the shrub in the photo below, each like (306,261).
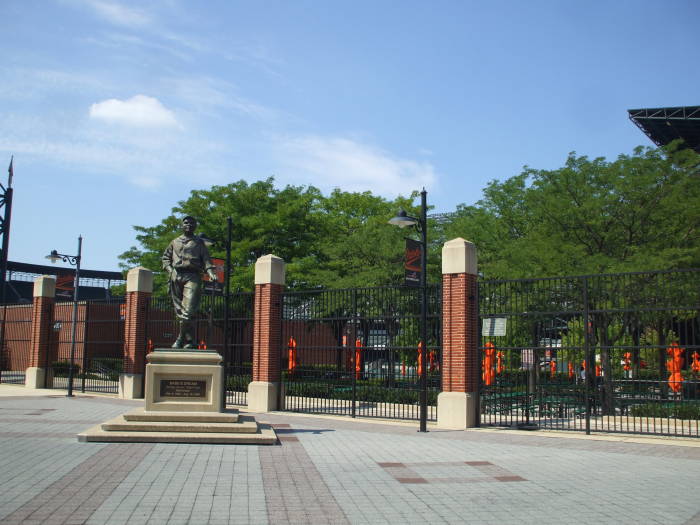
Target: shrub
(688,410)
(238,383)
(60,368)
(107,368)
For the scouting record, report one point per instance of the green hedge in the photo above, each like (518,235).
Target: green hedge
(60,368)
(680,410)
(369,391)
(107,368)
(238,383)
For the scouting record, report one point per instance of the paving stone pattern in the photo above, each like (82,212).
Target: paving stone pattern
(331,471)
(295,492)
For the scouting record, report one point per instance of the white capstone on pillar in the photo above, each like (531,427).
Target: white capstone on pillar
(45,286)
(269,269)
(459,256)
(139,279)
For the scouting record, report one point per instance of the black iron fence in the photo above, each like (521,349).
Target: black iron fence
(612,353)
(355,352)
(96,351)
(210,328)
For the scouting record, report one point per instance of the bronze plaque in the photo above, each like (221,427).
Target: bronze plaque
(182,388)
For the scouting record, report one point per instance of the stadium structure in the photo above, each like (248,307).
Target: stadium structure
(664,125)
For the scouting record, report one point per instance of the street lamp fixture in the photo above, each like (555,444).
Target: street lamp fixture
(402,220)
(74,260)
(54,257)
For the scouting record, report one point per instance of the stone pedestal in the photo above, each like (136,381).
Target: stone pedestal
(263,396)
(457,410)
(183,404)
(35,378)
(183,381)
(130,386)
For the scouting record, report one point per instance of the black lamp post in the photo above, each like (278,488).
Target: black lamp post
(54,257)
(402,220)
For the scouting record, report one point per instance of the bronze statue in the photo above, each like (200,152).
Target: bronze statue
(185,259)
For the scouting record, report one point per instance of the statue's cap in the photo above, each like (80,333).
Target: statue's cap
(189,217)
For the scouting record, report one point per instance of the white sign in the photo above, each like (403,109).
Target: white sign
(493,327)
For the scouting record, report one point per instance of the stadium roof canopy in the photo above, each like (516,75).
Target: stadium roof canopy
(40,269)
(663,125)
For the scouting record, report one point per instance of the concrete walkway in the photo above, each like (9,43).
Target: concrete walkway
(332,470)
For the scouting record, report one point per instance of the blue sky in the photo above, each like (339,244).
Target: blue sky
(115,110)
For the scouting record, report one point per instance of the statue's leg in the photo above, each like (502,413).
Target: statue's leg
(176,289)
(190,305)
(176,294)
(181,335)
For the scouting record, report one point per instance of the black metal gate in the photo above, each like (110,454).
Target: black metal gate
(355,352)
(96,351)
(161,331)
(612,353)
(238,356)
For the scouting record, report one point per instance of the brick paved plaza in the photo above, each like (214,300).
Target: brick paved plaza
(331,470)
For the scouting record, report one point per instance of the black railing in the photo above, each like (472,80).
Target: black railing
(98,348)
(15,340)
(355,352)
(611,353)
(238,356)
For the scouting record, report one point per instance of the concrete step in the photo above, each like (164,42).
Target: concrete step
(264,436)
(140,414)
(244,425)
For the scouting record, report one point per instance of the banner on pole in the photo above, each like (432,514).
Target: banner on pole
(412,262)
(217,287)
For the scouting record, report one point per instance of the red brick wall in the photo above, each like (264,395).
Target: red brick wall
(42,315)
(135,332)
(460,359)
(267,332)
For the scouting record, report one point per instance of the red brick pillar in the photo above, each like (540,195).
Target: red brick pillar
(458,401)
(264,390)
(42,321)
(139,286)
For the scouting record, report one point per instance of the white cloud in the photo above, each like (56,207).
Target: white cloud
(329,162)
(119,14)
(139,111)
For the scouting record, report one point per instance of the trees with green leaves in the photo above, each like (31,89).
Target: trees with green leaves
(266,220)
(336,241)
(638,212)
